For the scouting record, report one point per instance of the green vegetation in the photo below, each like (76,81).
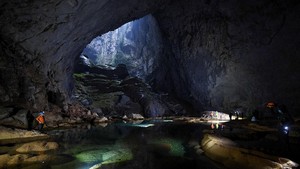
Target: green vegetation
(79,75)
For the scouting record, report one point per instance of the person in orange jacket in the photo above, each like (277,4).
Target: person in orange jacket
(41,120)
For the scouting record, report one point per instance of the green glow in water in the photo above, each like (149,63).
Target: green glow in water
(142,125)
(104,156)
(176,146)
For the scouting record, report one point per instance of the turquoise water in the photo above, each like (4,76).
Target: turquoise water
(147,145)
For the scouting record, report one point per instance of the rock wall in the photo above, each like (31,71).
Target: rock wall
(41,39)
(232,54)
(219,54)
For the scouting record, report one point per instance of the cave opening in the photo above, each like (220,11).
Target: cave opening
(136,44)
(115,71)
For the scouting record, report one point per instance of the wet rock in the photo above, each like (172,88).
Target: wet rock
(101,120)
(9,135)
(3,160)
(23,160)
(230,155)
(37,146)
(137,117)
(39,158)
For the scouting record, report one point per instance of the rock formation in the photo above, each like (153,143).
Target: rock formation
(219,55)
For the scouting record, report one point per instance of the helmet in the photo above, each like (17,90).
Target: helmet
(42,113)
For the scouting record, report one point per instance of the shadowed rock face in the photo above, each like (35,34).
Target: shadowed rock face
(220,54)
(40,40)
(232,54)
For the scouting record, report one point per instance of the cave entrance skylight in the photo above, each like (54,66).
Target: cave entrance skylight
(137,44)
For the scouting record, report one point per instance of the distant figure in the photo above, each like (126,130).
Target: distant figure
(236,115)
(230,115)
(41,120)
(30,119)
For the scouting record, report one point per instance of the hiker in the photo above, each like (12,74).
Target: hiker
(30,119)
(41,120)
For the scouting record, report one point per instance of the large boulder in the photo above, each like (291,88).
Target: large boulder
(9,135)
(37,146)
(230,155)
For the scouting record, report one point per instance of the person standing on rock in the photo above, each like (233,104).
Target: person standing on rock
(41,120)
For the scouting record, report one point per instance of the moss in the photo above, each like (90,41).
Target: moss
(79,75)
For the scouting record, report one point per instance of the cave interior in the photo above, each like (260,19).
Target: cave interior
(94,61)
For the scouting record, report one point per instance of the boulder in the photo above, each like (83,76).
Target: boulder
(227,153)
(9,135)
(37,146)
(137,117)
(101,120)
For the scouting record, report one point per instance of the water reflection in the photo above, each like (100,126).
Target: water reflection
(217,125)
(130,145)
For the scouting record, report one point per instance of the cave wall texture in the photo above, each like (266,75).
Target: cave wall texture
(41,39)
(233,54)
(221,54)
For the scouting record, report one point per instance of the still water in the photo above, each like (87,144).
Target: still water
(147,145)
